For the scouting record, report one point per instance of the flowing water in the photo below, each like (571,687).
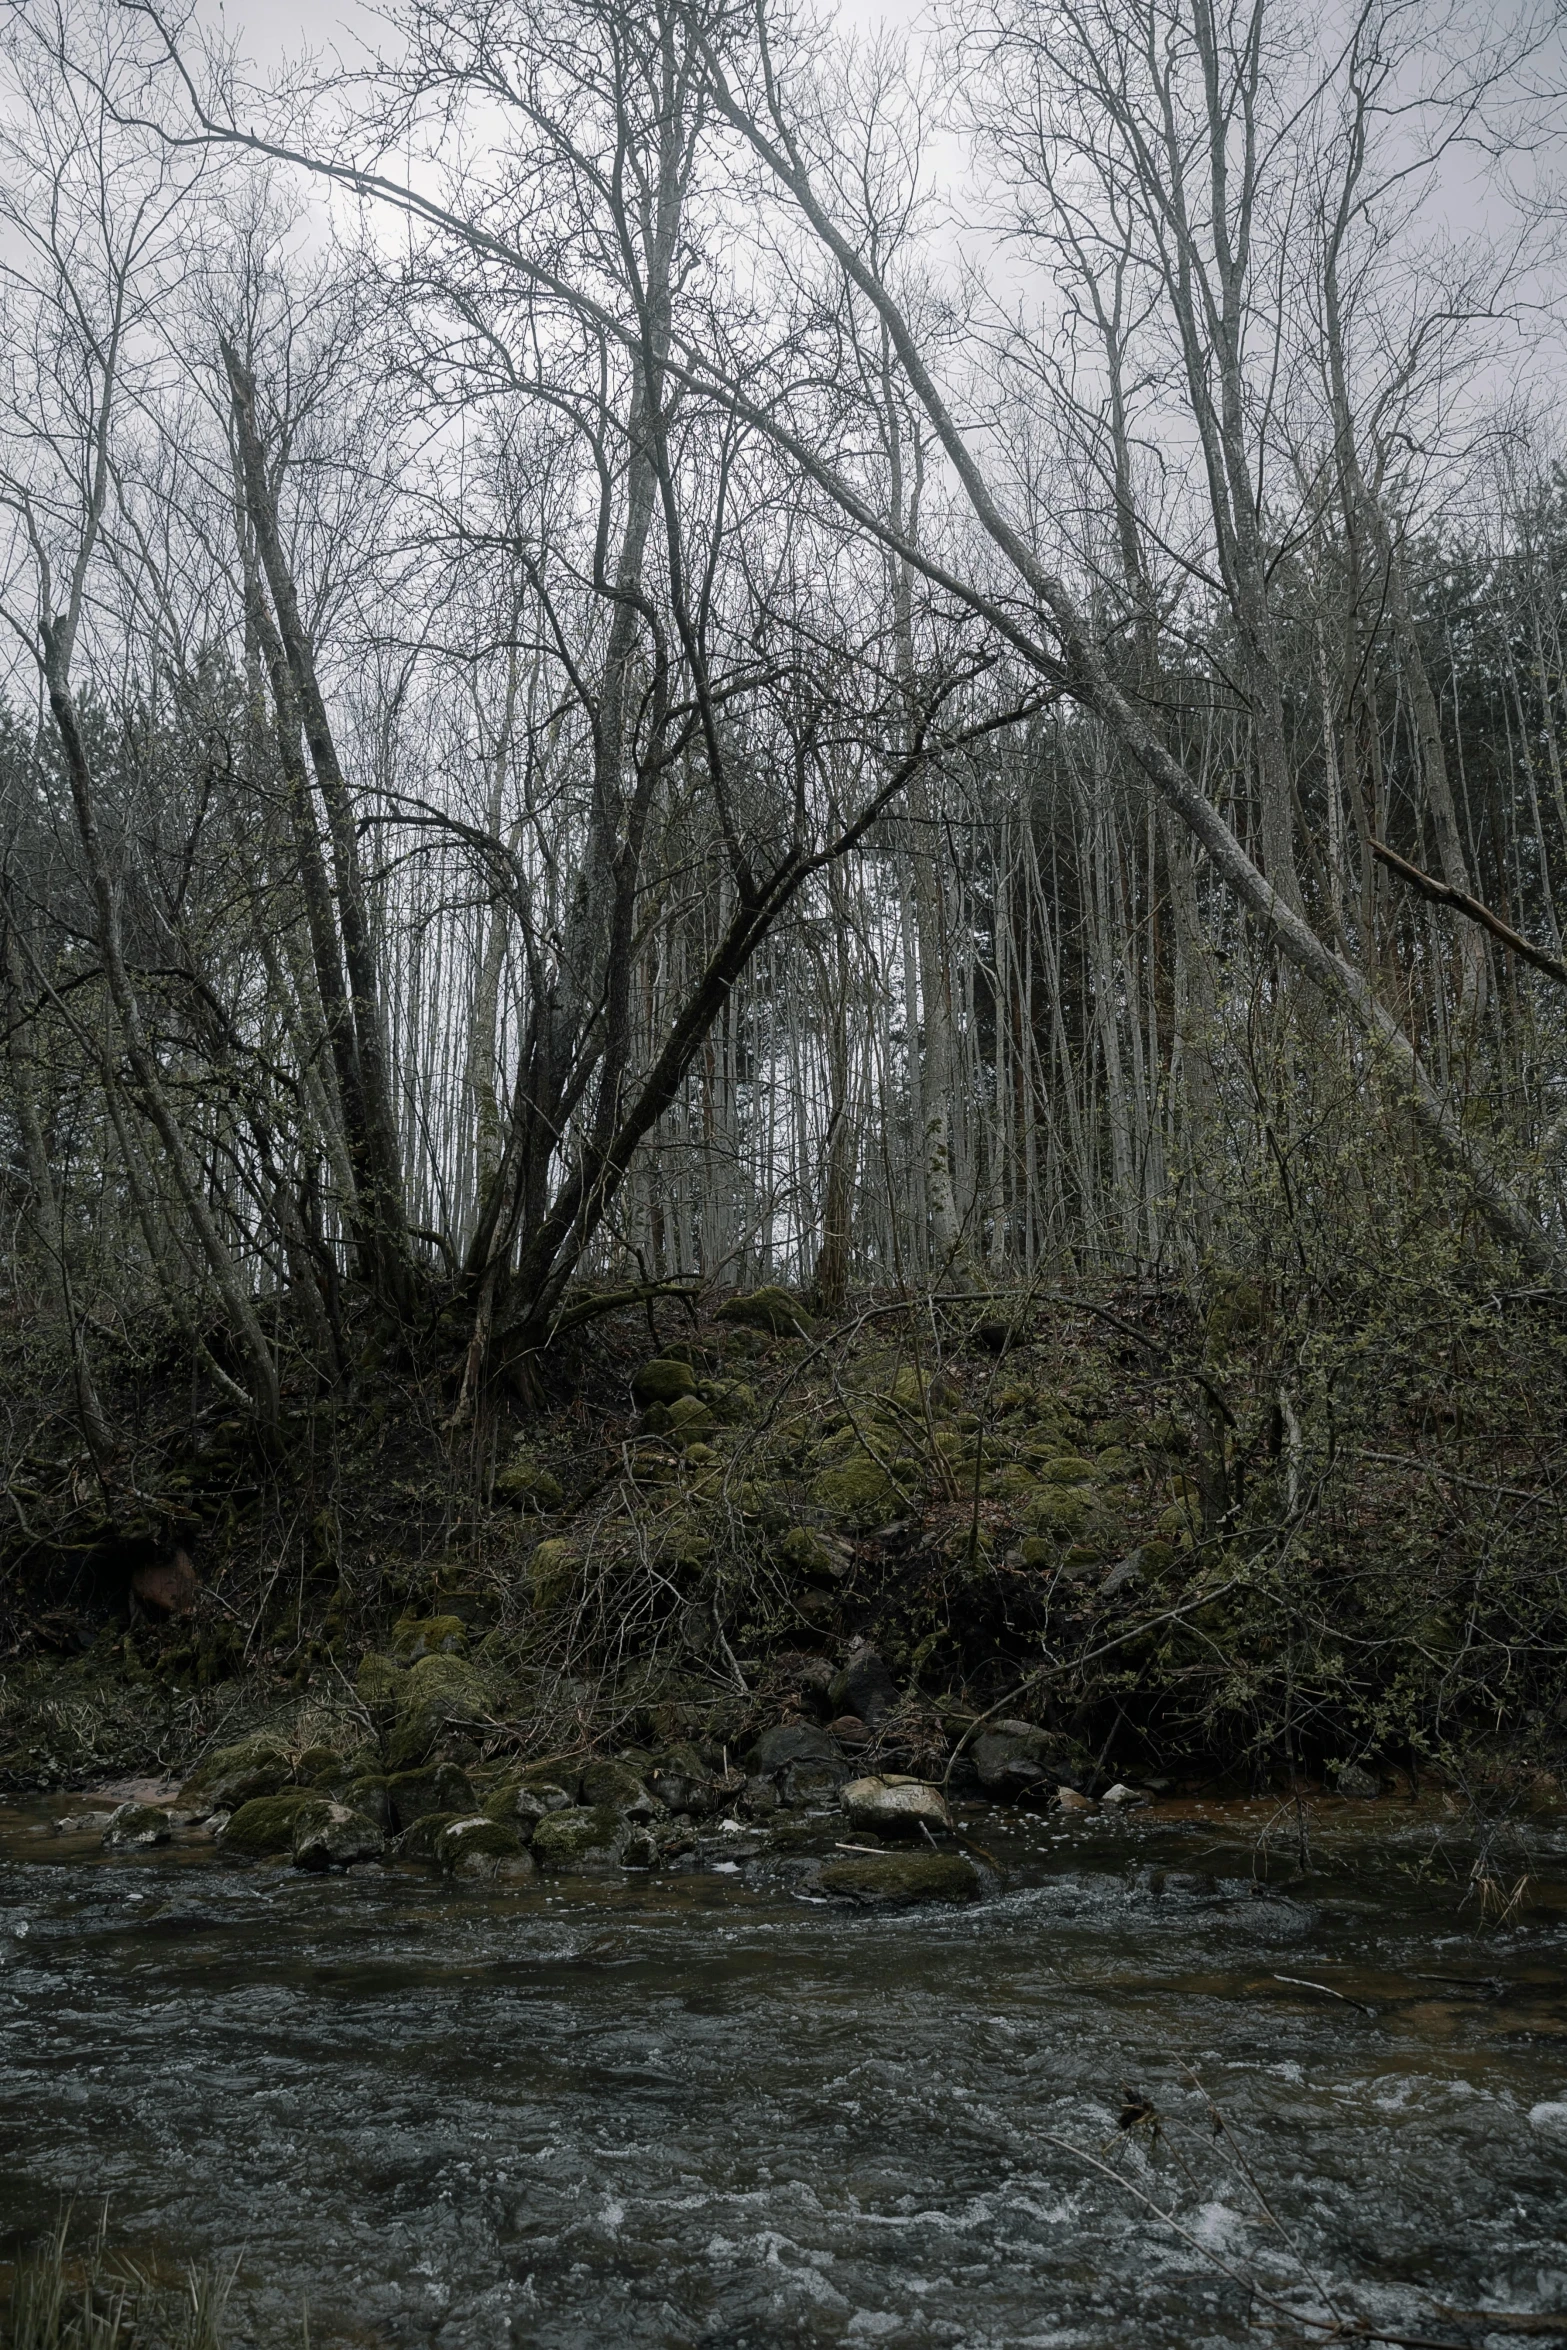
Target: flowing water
(704,2110)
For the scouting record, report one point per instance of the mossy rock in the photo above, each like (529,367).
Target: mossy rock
(335,1836)
(554,1774)
(136,1825)
(234,1775)
(521,1808)
(732,1402)
(320,1766)
(527,1485)
(378,1685)
(703,1458)
(1014,1482)
(901,1880)
(583,1838)
(1068,1468)
(482,1848)
(416,1637)
(370,1795)
(1062,1512)
(771,1309)
(664,1380)
(857,1494)
(690,1420)
(420,1841)
(808,1553)
(616,1787)
(267,1823)
(551,1572)
(442,1695)
(442,1787)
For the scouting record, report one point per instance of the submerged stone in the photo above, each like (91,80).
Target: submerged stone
(900,1880)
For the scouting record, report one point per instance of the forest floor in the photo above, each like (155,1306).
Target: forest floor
(1037,1545)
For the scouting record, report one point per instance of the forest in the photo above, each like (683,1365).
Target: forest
(882,720)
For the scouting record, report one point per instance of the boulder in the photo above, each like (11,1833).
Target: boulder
(136,1825)
(812,1555)
(683,1782)
(370,1796)
(1356,1783)
(168,1588)
(554,1778)
(898,1880)
(1124,1798)
(664,1380)
(439,1787)
(794,1742)
(420,1842)
(1016,1760)
(233,1775)
(526,1485)
(771,1309)
(586,1837)
(690,1421)
(482,1849)
(615,1786)
(857,1493)
(333,1836)
(894,1805)
(850,1731)
(441,1694)
(864,1688)
(414,1637)
(85,1823)
(521,1808)
(266,1824)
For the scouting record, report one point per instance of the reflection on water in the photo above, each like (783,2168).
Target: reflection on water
(701,2110)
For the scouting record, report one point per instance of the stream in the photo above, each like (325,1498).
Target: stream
(703,2110)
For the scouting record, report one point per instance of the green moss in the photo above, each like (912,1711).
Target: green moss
(771,1309)
(731,1401)
(1068,1468)
(579,1838)
(664,1380)
(441,1694)
(690,1420)
(477,1846)
(232,1775)
(526,1484)
(442,1787)
(268,1822)
(858,1494)
(416,1637)
(808,1553)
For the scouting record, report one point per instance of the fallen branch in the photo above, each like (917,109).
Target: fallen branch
(1442,893)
